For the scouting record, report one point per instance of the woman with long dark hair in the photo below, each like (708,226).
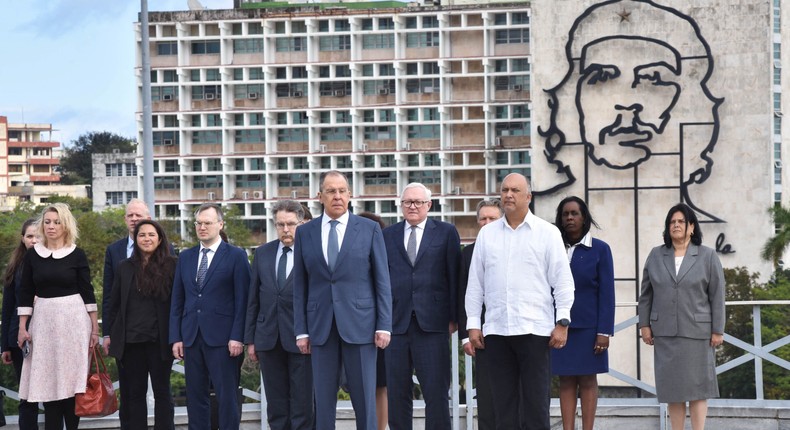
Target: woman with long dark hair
(140,312)
(12,353)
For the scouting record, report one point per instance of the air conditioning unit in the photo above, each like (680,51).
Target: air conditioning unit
(209,96)
(340,93)
(297,94)
(257,194)
(427,90)
(518,88)
(406,146)
(457,191)
(294,194)
(245,195)
(384,91)
(321,148)
(167,97)
(252,96)
(212,195)
(167,142)
(363,147)
(498,142)
(778,164)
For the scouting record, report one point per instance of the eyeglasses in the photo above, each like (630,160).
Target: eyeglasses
(677,221)
(417,203)
(281,225)
(199,224)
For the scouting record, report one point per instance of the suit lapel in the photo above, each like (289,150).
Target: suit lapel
(314,239)
(400,228)
(688,261)
(428,237)
(669,262)
(352,229)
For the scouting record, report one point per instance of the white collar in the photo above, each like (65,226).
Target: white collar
(45,252)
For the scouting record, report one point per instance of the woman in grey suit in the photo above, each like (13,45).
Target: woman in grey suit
(681,313)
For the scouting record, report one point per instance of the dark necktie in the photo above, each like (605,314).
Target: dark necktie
(202,268)
(411,247)
(281,267)
(331,246)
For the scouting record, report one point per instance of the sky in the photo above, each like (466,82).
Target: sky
(70,63)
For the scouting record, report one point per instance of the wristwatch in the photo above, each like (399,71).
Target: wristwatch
(565,322)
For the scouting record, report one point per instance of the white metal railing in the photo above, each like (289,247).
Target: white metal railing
(756,352)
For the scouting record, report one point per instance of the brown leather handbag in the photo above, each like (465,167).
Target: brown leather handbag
(99,398)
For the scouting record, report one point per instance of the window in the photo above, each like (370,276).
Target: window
(326,162)
(170,121)
(431,159)
(323,26)
(521,157)
(247,46)
(292,135)
(213,120)
(344,162)
(114,197)
(200,47)
(386,70)
(512,129)
(335,88)
(367,24)
(169,76)
(378,41)
(342,25)
(335,134)
(206,137)
(250,136)
(380,178)
(254,28)
(516,35)
(500,66)
(213,75)
(425,177)
(502,112)
(292,180)
(130,169)
(256,73)
(379,133)
(430,68)
(411,22)
(257,164)
(291,44)
(213,165)
(113,169)
(164,93)
(502,158)
(519,65)
(171,165)
(423,131)
(422,40)
(334,43)
(194,75)
(381,87)
(519,18)
(207,181)
(300,72)
(298,27)
(207,92)
(424,86)
(250,91)
(166,183)
(500,19)
(250,181)
(386,24)
(342,71)
(197,165)
(279,27)
(166,48)
(300,163)
(165,138)
(430,22)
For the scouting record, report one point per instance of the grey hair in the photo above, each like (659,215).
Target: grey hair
(418,185)
(289,206)
(490,203)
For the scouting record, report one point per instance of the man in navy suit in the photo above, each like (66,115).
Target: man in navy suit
(424,257)
(342,302)
(207,320)
(269,334)
(136,211)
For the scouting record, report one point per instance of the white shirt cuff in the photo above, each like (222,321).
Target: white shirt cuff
(302,336)
(464,341)
(24,311)
(563,313)
(91,307)
(384,331)
(473,323)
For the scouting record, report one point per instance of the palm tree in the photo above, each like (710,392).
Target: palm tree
(775,247)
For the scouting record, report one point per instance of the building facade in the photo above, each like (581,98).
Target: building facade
(114,179)
(29,161)
(251,105)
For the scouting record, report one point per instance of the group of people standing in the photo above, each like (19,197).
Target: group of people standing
(341,295)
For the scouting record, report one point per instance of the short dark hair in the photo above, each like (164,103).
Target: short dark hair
(289,206)
(494,203)
(691,218)
(330,173)
(206,206)
(374,217)
(588,219)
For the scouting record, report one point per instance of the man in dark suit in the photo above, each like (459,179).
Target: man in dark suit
(207,319)
(423,255)
(136,210)
(342,302)
(487,211)
(269,334)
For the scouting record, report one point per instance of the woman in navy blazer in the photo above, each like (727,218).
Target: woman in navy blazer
(592,314)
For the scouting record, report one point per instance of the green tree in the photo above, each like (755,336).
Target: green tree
(776,245)
(76,160)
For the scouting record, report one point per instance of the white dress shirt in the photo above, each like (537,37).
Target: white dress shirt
(521,275)
(340,228)
(210,255)
(129,247)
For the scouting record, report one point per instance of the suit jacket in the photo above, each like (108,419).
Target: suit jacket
(593,278)
(689,304)
(356,294)
(113,256)
(463,280)
(429,287)
(270,309)
(218,309)
(125,281)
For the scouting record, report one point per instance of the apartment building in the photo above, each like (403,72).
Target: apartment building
(250,105)
(29,164)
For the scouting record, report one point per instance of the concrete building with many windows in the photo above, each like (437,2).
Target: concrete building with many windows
(250,105)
